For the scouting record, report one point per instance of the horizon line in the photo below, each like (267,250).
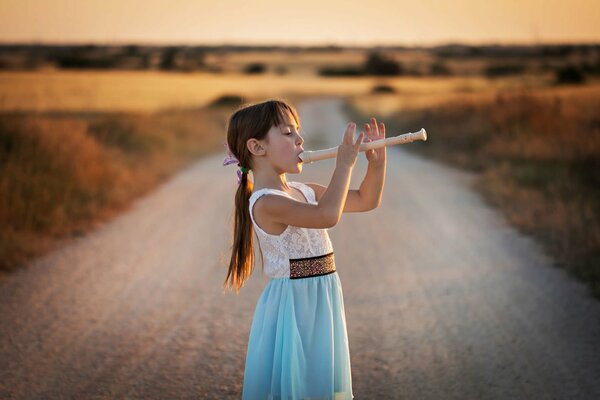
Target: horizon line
(449,42)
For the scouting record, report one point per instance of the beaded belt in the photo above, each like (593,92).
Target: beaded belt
(312,266)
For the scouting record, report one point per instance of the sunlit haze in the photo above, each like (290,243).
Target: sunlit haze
(307,22)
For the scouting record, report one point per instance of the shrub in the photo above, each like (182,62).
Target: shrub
(569,74)
(383,89)
(496,70)
(347,70)
(255,68)
(227,101)
(377,64)
(439,69)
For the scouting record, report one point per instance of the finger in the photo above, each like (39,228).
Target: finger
(374,122)
(382,129)
(359,140)
(349,134)
(371,133)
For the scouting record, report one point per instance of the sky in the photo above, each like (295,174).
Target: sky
(301,22)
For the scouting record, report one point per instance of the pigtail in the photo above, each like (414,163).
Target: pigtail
(242,252)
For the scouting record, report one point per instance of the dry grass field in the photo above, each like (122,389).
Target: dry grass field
(537,153)
(104,91)
(62,174)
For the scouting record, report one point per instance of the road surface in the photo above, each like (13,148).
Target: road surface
(443,299)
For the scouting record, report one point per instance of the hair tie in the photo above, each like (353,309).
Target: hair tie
(230,159)
(241,171)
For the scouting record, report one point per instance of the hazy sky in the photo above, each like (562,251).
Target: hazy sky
(349,22)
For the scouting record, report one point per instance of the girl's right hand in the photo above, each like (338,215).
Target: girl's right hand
(348,151)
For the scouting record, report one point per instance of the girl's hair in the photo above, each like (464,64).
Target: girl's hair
(247,122)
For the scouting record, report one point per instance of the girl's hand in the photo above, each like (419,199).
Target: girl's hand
(375,156)
(348,150)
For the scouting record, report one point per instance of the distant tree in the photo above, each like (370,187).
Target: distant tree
(132,50)
(439,69)
(378,64)
(227,100)
(383,89)
(495,70)
(255,68)
(146,61)
(168,58)
(345,70)
(84,61)
(591,68)
(569,74)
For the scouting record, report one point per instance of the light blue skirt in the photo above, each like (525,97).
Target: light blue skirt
(298,344)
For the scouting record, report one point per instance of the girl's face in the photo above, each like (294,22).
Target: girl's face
(285,145)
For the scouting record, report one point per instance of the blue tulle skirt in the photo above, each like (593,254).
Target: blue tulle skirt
(298,344)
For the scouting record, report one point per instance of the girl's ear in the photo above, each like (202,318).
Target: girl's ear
(255,147)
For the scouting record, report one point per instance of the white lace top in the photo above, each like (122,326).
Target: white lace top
(293,243)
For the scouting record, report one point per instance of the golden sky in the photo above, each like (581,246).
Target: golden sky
(344,22)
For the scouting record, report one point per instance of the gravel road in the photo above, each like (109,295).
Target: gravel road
(443,299)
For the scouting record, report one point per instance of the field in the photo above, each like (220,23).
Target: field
(152,91)
(537,155)
(77,146)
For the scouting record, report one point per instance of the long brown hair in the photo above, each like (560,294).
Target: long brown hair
(247,122)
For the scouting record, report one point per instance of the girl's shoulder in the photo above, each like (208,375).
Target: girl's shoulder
(306,190)
(258,192)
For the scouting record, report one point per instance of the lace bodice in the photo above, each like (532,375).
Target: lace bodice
(293,243)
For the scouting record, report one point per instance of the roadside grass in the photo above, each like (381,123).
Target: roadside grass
(62,174)
(537,154)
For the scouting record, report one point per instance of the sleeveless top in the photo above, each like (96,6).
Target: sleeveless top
(293,243)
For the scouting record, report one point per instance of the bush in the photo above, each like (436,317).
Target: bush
(569,74)
(227,100)
(439,69)
(168,58)
(377,64)
(347,70)
(79,61)
(383,89)
(255,68)
(496,70)
(591,68)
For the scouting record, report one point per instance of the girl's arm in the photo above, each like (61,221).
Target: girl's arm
(368,196)
(325,214)
(328,211)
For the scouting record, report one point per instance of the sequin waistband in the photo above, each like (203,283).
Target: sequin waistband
(312,266)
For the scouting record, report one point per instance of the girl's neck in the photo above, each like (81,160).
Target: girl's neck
(272,180)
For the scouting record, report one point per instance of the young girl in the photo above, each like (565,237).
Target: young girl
(298,344)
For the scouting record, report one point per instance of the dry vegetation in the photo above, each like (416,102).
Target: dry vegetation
(106,91)
(62,174)
(79,144)
(538,155)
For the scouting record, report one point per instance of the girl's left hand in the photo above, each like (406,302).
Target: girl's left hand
(375,156)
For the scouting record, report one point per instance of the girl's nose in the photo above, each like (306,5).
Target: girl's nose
(300,139)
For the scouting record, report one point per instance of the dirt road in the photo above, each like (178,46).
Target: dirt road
(443,299)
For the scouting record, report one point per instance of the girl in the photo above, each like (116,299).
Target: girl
(298,344)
